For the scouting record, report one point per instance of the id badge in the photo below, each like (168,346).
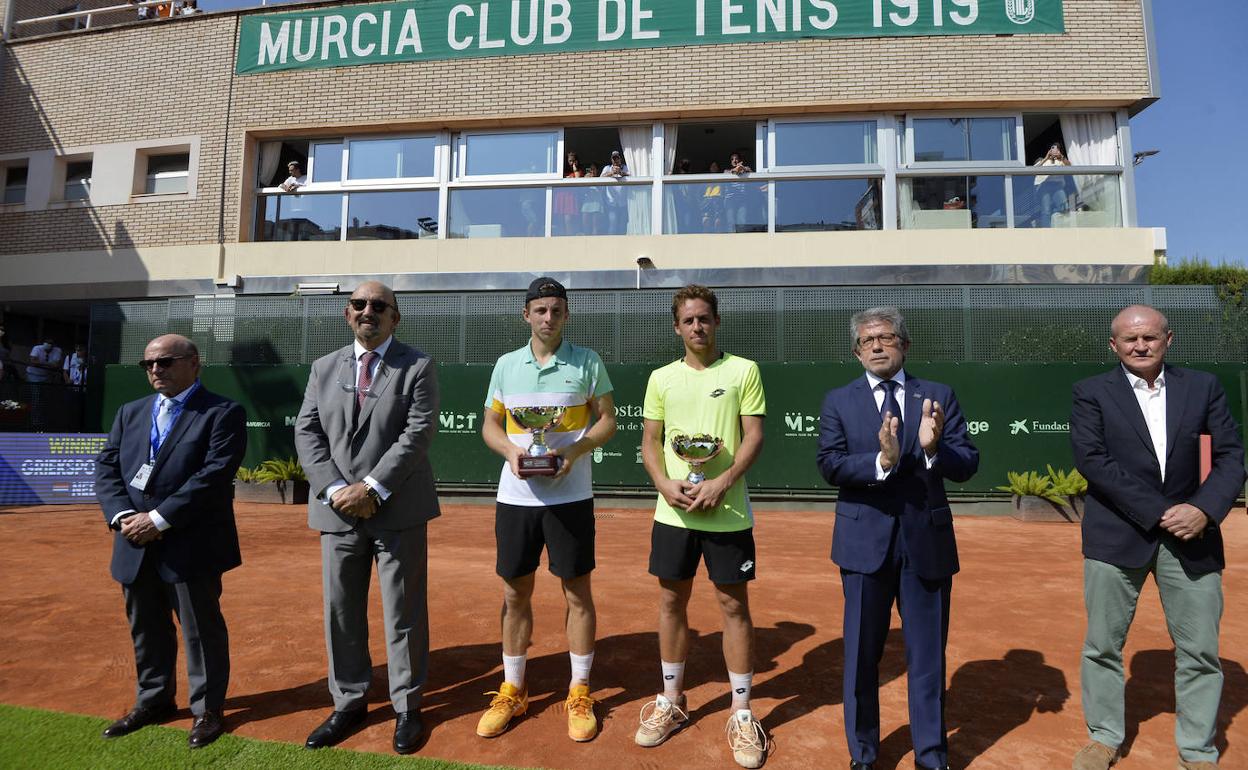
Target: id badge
(139,481)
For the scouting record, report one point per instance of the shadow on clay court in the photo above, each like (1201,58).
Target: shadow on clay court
(987,699)
(1150,693)
(459,677)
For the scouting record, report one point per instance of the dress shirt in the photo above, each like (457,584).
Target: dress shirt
(1152,403)
(358,352)
(878,392)
(179,401)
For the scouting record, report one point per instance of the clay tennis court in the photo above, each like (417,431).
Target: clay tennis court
(1013,645)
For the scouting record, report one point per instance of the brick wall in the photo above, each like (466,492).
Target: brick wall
(174,78)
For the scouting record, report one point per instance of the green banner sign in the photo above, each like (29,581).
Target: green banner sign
(1017,414)
(421,30)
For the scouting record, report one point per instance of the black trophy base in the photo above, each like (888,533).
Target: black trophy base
(546,465)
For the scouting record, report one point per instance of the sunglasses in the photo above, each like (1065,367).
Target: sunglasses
(378,306)
(164,362)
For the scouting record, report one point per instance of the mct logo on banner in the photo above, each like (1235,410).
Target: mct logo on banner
(421,30)
(40,468)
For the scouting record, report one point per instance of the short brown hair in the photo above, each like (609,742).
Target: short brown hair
(694,291)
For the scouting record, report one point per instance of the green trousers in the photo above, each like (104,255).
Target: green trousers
(1193,609)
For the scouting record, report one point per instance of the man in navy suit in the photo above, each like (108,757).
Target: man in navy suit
(888,441)
(165,481)
(1136,435)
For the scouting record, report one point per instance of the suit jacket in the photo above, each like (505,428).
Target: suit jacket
(1126,495)
(388,441)
(849,429)
(191,485)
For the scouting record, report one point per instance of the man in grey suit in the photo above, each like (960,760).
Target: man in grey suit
(363,436)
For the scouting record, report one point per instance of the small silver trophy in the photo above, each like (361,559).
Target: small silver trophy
(537,420)
(697,451)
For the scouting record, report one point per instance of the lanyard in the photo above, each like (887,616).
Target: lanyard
(157,437)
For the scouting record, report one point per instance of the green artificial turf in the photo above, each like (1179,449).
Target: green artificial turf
(32,739)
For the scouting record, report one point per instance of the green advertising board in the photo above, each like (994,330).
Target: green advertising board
(422,30)
(1018,415)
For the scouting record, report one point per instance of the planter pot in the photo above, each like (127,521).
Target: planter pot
(279,492)
(1030,508)
(1076,506)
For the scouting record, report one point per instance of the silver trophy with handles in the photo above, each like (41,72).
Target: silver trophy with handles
(697,451)
(537,420)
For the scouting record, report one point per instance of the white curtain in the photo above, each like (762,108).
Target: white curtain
(671,132)
(635,142)
(1091,140)
(270,156)
(905,202)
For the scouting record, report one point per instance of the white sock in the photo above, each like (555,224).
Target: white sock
(581,664)
(740,690)
(673,679)
(513,670)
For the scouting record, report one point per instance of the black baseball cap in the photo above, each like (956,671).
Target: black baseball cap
(545,287)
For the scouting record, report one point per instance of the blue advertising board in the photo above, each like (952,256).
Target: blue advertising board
(48,468)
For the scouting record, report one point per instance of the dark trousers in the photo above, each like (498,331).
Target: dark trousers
(151,604)
(924,608)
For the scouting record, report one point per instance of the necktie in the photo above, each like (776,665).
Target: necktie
(164,416)
(366,378)
(891,404)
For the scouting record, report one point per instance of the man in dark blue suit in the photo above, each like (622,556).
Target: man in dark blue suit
(1136,435)
(888,441)
(165,481)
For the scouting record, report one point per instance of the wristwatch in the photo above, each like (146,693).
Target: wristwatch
(372,493)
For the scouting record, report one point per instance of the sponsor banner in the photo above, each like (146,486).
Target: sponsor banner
(422,30)
(48,467)
(1017,414)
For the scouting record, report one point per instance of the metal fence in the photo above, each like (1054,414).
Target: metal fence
(985,324)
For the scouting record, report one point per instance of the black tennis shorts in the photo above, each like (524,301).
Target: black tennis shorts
(676,551)
(565,530)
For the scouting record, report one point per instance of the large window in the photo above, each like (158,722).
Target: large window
(828,204)
(400,158)
(301,218)
(813,144)
(779,175)
(953,202)
(483,212)
(392,215)
(528,153)
(963,140)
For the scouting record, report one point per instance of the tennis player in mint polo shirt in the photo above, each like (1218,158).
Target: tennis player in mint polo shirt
(704,392)
(551,512)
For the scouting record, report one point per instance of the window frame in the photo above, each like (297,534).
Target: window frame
(143,174)
(460,161)
(875,167)
(344,179)
(61,179)
(908,161)
(5,167)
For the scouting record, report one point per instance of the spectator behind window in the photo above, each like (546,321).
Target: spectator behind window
(297,177)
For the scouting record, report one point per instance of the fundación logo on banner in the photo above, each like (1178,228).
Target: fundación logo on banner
(1037,427)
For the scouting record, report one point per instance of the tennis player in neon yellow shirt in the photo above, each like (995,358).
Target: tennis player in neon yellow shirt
(705,392)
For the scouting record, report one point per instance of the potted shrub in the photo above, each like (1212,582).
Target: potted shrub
(1034,498)
(288,477)
(272,481)
(1070,485)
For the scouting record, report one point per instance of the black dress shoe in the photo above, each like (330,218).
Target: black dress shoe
(140,716)
(206,728)
(409,732)
(335,729)
(917,766)
(856,765)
